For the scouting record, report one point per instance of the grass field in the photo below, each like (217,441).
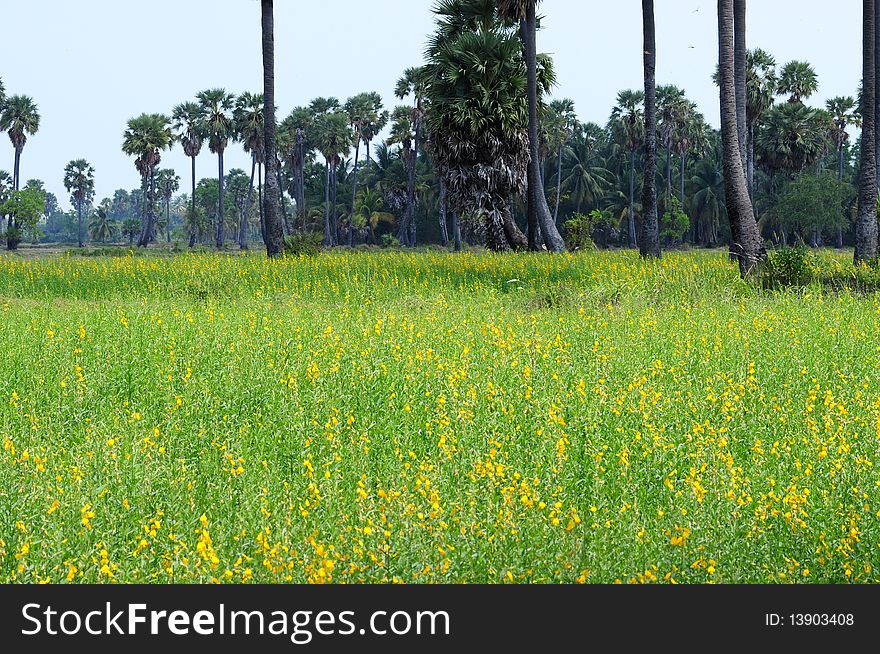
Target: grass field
(426,417)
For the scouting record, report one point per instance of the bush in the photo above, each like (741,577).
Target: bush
(787,266)
(389,241)
(579,229)
(306,244)
(674,223)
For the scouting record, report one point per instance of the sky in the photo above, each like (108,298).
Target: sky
(92,64)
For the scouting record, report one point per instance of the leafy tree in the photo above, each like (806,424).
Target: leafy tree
(24,209)
(79,180)
(131,228)
(811,205)
(791,138)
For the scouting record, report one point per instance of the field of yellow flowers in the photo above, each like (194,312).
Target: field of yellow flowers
(424,417)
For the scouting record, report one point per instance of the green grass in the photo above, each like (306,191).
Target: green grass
(427,417)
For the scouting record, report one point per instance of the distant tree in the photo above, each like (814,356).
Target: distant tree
(24,209)
(167,184)
(367,119)
(248,117)
(101,227)
(145,138)
(627,126)
(798,80)
(190,127)
(79,180)
(217,106)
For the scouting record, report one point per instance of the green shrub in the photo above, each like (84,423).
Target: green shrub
(306,244)
(787,266)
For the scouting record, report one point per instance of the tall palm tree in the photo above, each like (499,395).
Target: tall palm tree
(79,180)
(842,112)
(167,184)
(273,232)
(525,12)
(740,62)
(761,83)
(402,136)
(627,125)
(412,83)
(671,112)
(746,245)
(481,140)
(20,118)
(248,116)
(333,138)
(145,138)
(866,221)
(798,80)
(650,242)
(294,147)
(560,124)
(189,126)
(366,115)
(217,106)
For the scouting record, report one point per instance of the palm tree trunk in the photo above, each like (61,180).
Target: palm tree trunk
(354,185)
(334,173)
(747,245)
(273,235)
(668,174)
(539,212)
(221,208)
(681,173)
(750,163)
(631,215)
(456,231)
(740,57)
(79,224)
(328,235)
(192,229)
(261,201)
(650,242)
(558,187)
(866,222)
(876,93)
(444,234)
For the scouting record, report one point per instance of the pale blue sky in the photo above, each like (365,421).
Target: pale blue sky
(92,64)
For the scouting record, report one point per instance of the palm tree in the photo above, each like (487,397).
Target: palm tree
(101,227)
(294,147)
(481,140)
(746,244)
(248,116)
(216,106)
(650,243)
(585,178)
(332,136)
(189,125)
(525,12)
(367,119)
(866,221)
(412,83)
(402,136)
(145,138)
(167,184)
(761,85)
(370,207)
(842,112)
(20,119)
(740,61)
(707,202)
(792,138)
(671,113)
(560,122)
(273,230)
(798,80)
(627,125)
(79,180)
